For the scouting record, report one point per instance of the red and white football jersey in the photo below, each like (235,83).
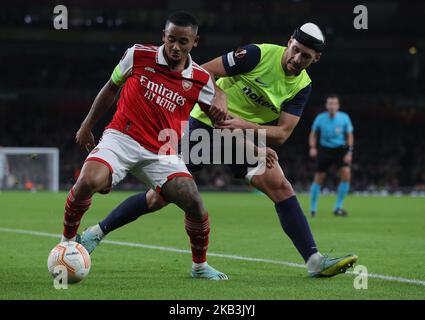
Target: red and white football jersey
(154,98)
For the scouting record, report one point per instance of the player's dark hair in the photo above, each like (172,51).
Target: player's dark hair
(182,19)
(333,95)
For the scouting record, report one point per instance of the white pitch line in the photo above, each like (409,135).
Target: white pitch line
(221,255)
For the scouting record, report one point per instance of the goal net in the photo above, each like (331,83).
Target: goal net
(29,169)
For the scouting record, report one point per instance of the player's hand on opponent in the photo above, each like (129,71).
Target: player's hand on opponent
(313,152)
(218,109)
(84,137)
(348,158)
(271,157)
(234,123)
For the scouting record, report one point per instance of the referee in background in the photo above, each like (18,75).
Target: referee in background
(335,147)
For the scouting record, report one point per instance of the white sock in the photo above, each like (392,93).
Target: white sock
(65,239)
(313,263)
(96,229)
(99,231)
(199,266)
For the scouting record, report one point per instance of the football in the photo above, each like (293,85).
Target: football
(73,258)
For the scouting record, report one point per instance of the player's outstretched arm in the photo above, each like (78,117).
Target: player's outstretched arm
(242,60)
(218,109)
(274,134)
(213,100)
(101,104)
(215,67)
(282,131)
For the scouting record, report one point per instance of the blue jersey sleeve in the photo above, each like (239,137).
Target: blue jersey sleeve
(316,123)
(348,126)
(242,60)
(296,105)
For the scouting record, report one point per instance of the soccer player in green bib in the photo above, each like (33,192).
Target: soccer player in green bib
(267,87)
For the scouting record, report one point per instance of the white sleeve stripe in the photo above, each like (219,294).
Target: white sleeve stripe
(126,64)
(230,59)
(149,50)
(200,69)
(207,93)
(146,48)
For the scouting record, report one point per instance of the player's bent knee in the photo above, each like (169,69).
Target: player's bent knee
(287,186)
(90,183)
(94,177)
(319,178)
(193,204)
(276,187)
(155,201)
(345,174)
(285,190)
(86,184)
(346,178)
(270,178)
(191,201)
(183,192)
(281,193)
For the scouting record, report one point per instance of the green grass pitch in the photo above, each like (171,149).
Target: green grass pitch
(388,234)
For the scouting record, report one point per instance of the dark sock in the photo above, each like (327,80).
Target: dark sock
(296,226)
(128,211)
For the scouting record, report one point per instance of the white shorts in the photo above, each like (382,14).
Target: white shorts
(122,154)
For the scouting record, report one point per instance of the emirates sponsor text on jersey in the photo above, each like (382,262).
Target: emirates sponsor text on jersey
(162,96)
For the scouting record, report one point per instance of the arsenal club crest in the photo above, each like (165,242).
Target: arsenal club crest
(187,85)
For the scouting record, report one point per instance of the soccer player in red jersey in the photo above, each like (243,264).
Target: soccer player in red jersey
(160,86)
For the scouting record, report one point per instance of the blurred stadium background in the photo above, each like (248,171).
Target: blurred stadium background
(50,77)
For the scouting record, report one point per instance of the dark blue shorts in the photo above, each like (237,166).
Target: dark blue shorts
(238,170)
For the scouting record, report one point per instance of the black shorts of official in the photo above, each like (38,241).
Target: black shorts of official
(239,170)
(326,157)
